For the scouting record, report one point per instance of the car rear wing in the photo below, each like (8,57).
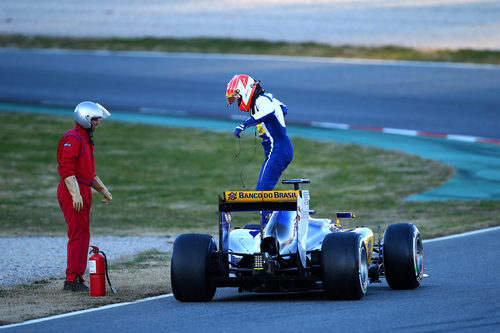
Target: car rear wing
(240,201)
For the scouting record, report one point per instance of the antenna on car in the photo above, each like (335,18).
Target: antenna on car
(251,158)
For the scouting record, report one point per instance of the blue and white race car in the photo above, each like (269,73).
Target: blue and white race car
(292,251)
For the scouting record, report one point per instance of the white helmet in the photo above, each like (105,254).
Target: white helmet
(86,111)
(241,88)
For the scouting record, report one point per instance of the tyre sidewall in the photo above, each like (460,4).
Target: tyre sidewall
(401,268)
(342,255)
(190,267)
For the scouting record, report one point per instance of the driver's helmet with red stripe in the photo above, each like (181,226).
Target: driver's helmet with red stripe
(241,88)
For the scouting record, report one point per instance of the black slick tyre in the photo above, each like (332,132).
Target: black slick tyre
(403,256)
(344,266)
(190,268)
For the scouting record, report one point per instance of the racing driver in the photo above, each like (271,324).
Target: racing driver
(267,113)
(75,156)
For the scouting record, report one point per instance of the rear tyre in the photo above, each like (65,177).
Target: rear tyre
(344,266)
(403,256)
(190,268)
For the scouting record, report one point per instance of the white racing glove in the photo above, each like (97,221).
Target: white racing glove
(98,185)
(74,190)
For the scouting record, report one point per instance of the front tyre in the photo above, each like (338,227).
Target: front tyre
(344,266)
(190,268)
(403,256)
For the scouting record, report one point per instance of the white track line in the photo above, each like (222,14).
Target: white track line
(69,314)
(465,234)
(323,124)
(406,132)
(398,131)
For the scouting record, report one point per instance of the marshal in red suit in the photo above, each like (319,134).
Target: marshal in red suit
(75,156)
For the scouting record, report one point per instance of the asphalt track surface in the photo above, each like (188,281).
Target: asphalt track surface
(460,99)
(434,97)
(460,294)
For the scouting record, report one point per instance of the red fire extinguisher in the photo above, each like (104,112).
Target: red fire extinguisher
(98,266)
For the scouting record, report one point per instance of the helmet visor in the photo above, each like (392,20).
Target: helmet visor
(231,98)
(105,113)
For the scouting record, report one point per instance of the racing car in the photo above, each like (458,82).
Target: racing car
(292,251)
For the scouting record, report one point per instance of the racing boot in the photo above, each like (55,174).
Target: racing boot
(75,286)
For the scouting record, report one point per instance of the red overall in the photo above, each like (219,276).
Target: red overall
(75,156)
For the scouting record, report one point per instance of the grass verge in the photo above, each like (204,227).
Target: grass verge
(167,180)
(237,46)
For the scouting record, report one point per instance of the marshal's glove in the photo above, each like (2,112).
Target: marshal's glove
(98,185)
(74,190)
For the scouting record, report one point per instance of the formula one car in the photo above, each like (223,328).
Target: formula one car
(292,251)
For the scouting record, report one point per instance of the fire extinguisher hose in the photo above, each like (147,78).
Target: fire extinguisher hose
(107,275)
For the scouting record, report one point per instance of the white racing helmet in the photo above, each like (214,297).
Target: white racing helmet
(86,111)
(241,88)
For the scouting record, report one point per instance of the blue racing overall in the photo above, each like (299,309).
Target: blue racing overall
(268,114)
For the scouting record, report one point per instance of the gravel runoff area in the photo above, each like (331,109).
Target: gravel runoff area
(29,259)
(424,24)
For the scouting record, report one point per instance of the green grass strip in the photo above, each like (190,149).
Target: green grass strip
(167,180)
(236,46)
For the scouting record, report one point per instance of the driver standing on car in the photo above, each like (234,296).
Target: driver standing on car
(267,113)
(75,156)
